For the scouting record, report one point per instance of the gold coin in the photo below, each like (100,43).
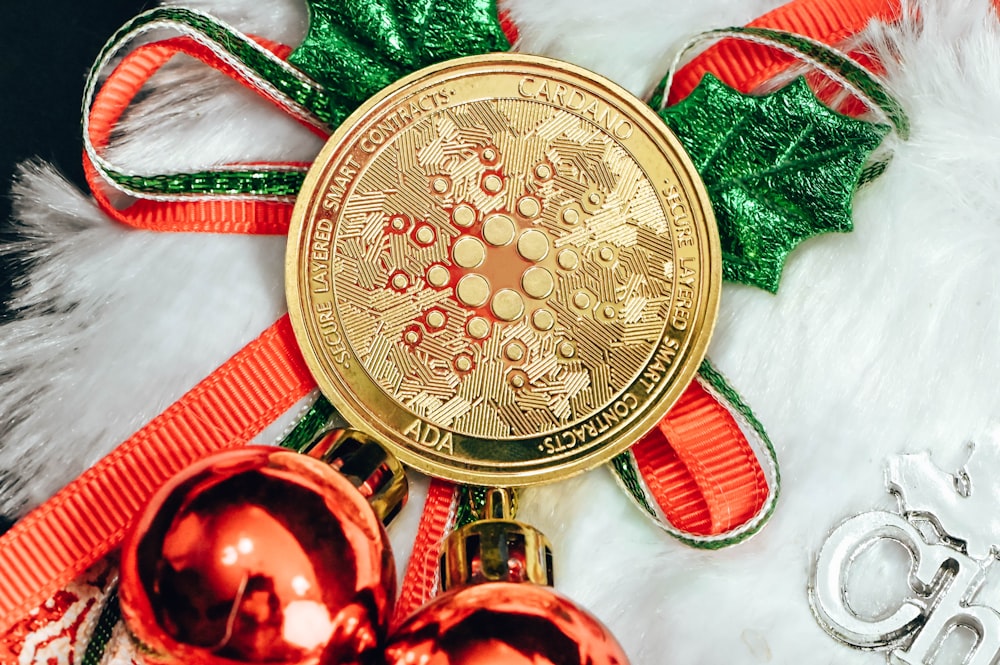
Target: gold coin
(505,267)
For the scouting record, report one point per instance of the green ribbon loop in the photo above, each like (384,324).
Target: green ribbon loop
(261,183)
(353,49)
(294,91)
(627,473)
(303,97)
(834,64)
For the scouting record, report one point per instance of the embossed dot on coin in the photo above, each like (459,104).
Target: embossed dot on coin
(489,154)
(543,171)
(529,206)
(400,281)
(498,230)
(567,350)
(609,312)
(533,245)
(425,235)
(468,252)
(492,184)
(514,352)
(537,282)
(440,185)
(581,300)
(568,259)
(507,304)
(463,363)
(437,275)
(436,319)
(571,216)
(473,290)
(606,253)
(463,215)
(397,223)
(542,319)
(517,381)
(411,337)
(478,327)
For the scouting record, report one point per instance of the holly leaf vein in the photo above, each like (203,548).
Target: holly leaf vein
(358,47)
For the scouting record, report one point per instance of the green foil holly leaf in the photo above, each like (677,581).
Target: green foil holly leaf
(778,168)
(358,47)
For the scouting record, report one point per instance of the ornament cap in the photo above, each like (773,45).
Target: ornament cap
(369,466)
(496,549)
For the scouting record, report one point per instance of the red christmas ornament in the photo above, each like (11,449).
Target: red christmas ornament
(261,555)
(495,609)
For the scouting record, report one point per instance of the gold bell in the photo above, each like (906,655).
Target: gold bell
(496,549)
(373,470)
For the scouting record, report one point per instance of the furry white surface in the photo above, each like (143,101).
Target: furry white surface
(879,342)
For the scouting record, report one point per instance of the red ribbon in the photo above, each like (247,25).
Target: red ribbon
(88,518)
(746,65)
(700,468)
(702,472)
(420,582)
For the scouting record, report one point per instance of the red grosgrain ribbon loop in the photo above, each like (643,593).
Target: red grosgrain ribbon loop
(713,483)
(422,577)
(707,473)
(745,66)
(88,518)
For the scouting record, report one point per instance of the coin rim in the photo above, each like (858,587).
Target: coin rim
(668,143)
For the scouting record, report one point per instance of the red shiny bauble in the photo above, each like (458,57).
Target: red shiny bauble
(502,623)
(258,555)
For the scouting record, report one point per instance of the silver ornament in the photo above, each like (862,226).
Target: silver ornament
(949,524)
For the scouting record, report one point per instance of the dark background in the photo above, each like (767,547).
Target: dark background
(48,48)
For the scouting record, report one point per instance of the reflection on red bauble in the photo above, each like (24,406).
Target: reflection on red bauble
(502,623)
(258,555)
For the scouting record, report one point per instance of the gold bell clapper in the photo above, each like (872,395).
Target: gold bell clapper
(497,606)
(261,554)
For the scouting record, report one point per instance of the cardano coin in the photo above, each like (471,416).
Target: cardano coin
(504,266)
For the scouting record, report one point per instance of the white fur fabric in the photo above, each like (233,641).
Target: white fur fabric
(879,342)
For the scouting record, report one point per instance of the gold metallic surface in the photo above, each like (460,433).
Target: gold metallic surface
(505,267)
(369,466)
(496,549)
